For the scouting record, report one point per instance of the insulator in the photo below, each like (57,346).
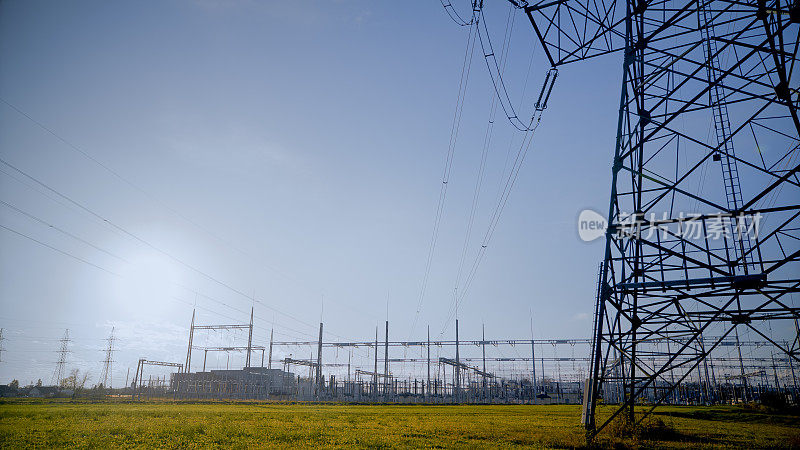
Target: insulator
(547,88)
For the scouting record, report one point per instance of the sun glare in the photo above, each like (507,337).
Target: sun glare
(150,281)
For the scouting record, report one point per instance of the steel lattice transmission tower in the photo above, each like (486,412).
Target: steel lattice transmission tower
(58,374)
(703,238)
(106,375)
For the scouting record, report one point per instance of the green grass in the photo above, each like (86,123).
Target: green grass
(84,424)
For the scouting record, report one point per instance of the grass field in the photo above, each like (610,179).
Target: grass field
(83,424)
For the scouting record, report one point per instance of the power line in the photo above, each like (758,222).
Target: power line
(451,11)
(152,198)
(495,73)
(146,243)
(50,196)
(498,210)
(113,273)
(462,87)
(78,258)
(501,95)
(118,275)
(506,192)
(62,231)
(484,153)
(148,195)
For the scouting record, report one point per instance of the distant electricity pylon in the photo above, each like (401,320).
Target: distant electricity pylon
(1,345)
(106,375)
(58,374)
(703,231)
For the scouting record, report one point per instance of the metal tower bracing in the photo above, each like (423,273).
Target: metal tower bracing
(58,373)
(722,127)
(106,375)
(690,253)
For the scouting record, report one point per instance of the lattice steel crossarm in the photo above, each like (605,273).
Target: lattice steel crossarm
(592,28)
(690,252)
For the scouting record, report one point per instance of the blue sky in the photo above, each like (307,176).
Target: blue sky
(291,151)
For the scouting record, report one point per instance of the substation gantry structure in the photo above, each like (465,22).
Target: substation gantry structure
(230,349)
(227,349)
(703,232)
(138,378)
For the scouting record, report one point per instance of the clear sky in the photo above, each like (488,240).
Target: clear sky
(288,151)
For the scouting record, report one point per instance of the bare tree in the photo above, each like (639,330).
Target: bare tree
(76,380)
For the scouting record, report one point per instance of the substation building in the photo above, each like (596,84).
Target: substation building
(253,383)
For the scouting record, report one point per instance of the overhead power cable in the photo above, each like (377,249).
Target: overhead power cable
(148,244)
(484,153)
(155,199)
(150,196)
(451,11)
(62,231)
(462,87)
(496,75)
(70,255)
(77,258)
(79,239)
(300,334)
(42,221)
(498,210)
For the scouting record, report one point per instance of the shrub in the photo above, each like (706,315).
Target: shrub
(774,401)
(651,428)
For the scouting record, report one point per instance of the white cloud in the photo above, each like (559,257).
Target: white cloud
(580,317)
